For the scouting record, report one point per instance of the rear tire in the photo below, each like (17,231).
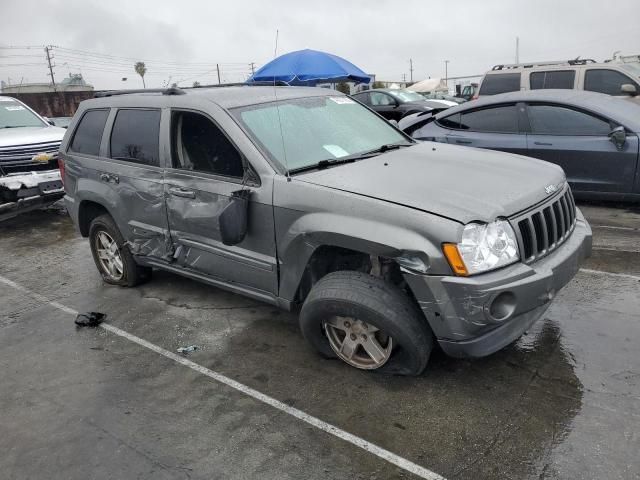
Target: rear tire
(358,299)
(112,257)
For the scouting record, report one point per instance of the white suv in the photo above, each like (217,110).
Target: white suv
(29,174)
(613,78)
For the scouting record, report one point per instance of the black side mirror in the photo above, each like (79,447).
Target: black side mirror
(234,218)
(618,136)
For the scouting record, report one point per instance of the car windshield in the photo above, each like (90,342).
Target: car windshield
(298,133)
(406,95)
(14,115)
(633,69)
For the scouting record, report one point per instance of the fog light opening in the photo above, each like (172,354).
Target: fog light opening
(503,306)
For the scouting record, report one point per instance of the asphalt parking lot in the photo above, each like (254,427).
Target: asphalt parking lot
(563,402)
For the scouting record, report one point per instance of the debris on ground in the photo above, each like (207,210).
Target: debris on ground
(189,349)
(90,319)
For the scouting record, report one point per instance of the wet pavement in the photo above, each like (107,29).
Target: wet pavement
(563,402)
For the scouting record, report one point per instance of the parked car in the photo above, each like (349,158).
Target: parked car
(443,96)
(612,78)
(467,92)
(303,197)
(29,175)
(393,104)
(592,136)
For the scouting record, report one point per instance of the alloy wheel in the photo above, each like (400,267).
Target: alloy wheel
(359,344)
(109,255)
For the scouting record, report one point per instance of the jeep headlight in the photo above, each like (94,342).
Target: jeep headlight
(483,247)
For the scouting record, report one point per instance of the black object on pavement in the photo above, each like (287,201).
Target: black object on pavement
(90,319)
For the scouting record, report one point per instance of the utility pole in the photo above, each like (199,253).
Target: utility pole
(411,69)
(517,50)
(218,68)
(404,78)
(253,68)
(446,72)
(47,50)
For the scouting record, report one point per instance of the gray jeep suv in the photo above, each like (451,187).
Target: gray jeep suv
(304,197)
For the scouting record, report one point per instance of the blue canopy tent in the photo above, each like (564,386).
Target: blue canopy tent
(308,68)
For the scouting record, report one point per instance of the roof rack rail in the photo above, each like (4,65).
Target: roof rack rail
(163,91)
(576,61)
(277,83)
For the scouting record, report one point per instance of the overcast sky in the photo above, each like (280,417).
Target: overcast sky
(183,40)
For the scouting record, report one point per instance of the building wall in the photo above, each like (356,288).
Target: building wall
(53,104)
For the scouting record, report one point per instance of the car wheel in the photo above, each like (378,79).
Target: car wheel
(112,257)
(367,323)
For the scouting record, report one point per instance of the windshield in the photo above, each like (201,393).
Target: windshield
(13,115)
(315,129)
(406,95)
(633,68)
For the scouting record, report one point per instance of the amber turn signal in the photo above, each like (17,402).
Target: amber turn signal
(455,260)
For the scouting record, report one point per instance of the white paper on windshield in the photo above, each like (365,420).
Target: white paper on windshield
(17,107)
(336,150)
(342,100)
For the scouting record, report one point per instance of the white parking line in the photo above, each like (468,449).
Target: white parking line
(299,414)
(611,274)
(614,227)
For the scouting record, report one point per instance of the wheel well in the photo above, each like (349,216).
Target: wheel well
(86,213)
(327,259)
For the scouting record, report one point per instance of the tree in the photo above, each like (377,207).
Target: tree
(141,69)
(378,85)
(343,87)
(196,84)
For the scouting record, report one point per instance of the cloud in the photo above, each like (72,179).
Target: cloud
(378,36)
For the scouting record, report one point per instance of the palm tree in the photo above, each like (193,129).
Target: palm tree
(141,69)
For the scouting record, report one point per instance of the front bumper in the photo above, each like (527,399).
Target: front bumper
(476,316)
(22,192)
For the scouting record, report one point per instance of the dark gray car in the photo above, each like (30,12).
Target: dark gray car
(302,197)
(592,136)
(394,104)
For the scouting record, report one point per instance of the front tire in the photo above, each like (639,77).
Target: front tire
(367,323)
(112,257)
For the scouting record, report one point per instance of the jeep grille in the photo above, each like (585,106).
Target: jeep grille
(544,228)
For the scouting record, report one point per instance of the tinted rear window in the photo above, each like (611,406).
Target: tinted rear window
(135,136)
(502,119)
(88,135)
(500,83)
(555,79)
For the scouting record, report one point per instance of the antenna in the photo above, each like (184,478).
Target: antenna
(275,94)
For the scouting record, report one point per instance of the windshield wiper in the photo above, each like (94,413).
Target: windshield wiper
(323,164)
(386,147)
(350,158)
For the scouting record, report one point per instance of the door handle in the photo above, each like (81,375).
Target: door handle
(182,192)
(543,144)
(463,142)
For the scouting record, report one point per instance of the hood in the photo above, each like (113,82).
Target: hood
(460,183)
(10,137)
